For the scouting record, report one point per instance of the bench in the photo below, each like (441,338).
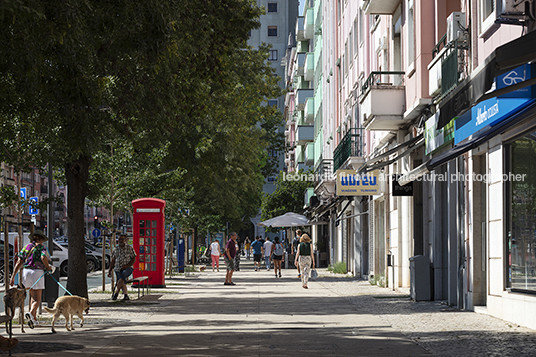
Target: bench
(139,280)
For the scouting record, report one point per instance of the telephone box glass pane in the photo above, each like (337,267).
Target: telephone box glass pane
(154,224)
(148,224)
(142,240)
(147,241)
(142,258)
(147,258)
(142,249)
(154,232)
(153,266)
(142,224)
(153,251)
(142,266)
(142,232)
(153,241)
(148,232)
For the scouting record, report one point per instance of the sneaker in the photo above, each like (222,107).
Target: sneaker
(126,297)
(227,283)
(279,274)
(276,275)
(30,319)
(299,276)
(114,296)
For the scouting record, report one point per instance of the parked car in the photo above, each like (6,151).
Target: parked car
(93,261)
(98,252)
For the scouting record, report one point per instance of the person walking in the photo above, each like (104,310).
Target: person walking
(295,243)
(237,256)
(247,246)
(277,251)
(267,248)
(34,259)
(123,258)
(256,248)
(305,258)
(215,254)
(230,253)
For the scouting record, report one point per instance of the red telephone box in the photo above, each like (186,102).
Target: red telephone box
(148,240)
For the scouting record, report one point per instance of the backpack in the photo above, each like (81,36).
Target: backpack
(278,249)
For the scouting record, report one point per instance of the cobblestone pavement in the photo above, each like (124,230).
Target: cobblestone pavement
(438,328)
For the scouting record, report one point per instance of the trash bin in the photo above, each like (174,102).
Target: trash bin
(420,278)
(180,254)
(50,293)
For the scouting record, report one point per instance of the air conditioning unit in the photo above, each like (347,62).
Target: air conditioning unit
(513,8)
(456,22)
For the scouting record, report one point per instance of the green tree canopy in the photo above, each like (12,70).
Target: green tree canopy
(169,75)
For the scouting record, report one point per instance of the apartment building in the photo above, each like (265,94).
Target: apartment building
(433,101)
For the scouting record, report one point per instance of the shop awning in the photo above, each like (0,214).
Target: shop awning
(376,163)
(473,89)
(470,143)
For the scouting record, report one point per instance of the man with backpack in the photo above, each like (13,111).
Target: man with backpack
(277,251)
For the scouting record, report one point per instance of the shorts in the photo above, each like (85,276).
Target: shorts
(229,263)
(30,276)
(123,274)
(257,257)
(278,257)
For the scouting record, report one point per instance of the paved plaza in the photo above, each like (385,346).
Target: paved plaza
(196,315)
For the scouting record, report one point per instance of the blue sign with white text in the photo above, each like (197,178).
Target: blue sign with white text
(486,114)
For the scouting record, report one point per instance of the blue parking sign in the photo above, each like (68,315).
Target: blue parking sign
(23,193)
(33,210)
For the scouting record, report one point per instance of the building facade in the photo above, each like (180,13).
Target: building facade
(436,98)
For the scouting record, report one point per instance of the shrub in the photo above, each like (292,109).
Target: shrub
(340,268)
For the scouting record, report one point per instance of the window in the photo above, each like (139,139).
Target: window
(356,39)
(361,26)
(520,201)
(486,12)
(272,31)
(411,33)
(273,55)
(272,102)
(272,7)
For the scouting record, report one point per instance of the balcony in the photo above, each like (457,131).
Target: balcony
(301,97)
(349,152)
(309,110)
(305,134)
(383,101)
(309,23)
(300,29)
(380,7)
(309,67)
(325,184)
(310,154)
(300,64)
(444,70)
(309,192)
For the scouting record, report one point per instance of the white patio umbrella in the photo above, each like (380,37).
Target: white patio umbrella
(289,219)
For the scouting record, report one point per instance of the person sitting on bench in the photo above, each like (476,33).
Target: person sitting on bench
(123,257)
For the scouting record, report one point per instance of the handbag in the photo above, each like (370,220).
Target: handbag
(314,274)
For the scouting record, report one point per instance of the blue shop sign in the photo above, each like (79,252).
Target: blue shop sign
(486,114)
(494,110)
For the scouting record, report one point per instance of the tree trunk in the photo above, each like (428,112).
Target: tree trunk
(194,244)
(77,174)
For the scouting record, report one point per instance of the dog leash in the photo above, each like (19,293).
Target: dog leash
(46,272)
(68,292)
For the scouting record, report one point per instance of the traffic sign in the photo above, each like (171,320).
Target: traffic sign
(96,233)
(33,209)
(23,193)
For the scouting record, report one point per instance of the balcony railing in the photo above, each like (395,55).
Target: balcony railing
(350,145)
(382,79)
(439,46)
(323,170)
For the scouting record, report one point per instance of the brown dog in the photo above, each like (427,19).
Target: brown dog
(14,298)
(68,306)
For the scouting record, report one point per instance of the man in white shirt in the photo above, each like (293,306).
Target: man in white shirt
(267,248)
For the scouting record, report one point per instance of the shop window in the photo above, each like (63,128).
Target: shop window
(520,182)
